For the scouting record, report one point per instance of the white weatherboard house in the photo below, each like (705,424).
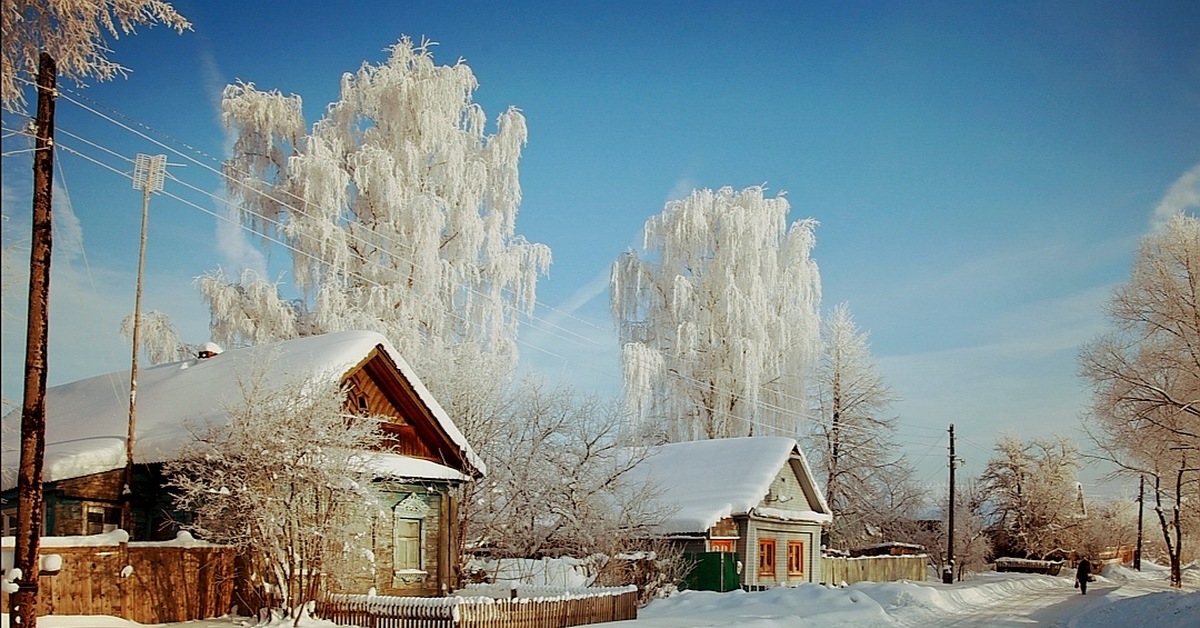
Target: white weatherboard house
(754,497)
(87,422)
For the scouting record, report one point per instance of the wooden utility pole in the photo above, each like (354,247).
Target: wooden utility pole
(948,574)
(23,603)
(148,173)
(1137,551)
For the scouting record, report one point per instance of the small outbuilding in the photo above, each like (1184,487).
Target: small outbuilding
(752,498)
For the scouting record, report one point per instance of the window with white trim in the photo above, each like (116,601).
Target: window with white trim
(100,518)
(408,536)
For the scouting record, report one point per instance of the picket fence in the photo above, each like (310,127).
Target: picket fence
(837,569)
(479,608)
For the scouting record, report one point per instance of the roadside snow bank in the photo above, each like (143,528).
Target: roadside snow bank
(1156,609)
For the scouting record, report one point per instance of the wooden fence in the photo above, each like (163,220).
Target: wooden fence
(1026,565)
(837,569)
(575,607)
(148,583)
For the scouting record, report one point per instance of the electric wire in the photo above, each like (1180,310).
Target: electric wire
(574,336)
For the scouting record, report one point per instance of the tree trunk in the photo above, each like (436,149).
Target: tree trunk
(1165,526)
(23,604)
(1176,569)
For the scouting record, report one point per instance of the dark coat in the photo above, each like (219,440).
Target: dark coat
(1085,570)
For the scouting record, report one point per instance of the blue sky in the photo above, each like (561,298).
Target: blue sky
(982,172)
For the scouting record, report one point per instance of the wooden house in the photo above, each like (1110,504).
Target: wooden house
(753,497)
(87,423)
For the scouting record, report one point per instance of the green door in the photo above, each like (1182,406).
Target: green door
(712,571)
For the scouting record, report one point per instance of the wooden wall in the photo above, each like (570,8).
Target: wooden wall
(836,570)
(149,584)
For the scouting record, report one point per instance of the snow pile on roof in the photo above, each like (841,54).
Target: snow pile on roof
(87,420)
(708,480)
(398,467)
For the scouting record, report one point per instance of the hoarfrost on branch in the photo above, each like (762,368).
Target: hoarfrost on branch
(399,214)
(718,319)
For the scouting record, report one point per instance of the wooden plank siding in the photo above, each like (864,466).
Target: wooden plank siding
(380,388)
(163,583)
(836,569)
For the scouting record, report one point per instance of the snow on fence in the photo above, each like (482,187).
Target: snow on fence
(147,582)
(1027,565)
(837,569)
(484,607)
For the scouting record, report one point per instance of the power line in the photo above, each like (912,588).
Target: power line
(241,186)
(571,337)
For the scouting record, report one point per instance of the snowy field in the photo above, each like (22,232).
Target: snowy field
(1120,597)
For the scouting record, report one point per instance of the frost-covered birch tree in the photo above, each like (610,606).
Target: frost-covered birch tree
(1145,377)
(1033,490)
(718,317)
(399,211)
(159,340)
(867,482)
(286,482)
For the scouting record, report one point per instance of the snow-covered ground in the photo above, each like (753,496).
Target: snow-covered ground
(1120,597)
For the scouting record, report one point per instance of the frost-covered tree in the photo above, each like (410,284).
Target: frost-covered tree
(1032,495)
(718,317)
(1109,524)
(1145,376)
(854,455)
(972,543)
(73,33)
(284,481)
(557,484)
(399,212)
(160,342)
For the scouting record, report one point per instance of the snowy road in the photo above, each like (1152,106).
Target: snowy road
(1121,598)
(1042,602)
(1008,601)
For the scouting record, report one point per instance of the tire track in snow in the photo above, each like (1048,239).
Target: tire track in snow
(1005,604)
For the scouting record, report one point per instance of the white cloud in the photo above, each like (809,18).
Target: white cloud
(233,243)
(1183,195)
(86,310)
(682,188)
(68,232)
(584,295)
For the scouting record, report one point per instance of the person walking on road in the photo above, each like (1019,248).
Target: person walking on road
(1082,575)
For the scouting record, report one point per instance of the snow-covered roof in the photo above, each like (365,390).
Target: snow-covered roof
(87,420)
(708,480)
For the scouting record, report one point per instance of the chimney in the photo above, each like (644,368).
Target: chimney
(208,350)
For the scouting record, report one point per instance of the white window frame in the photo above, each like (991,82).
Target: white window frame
(8,522)
(102,508)
(410,510)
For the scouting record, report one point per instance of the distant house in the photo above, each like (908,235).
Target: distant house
(753,497)
(87,423)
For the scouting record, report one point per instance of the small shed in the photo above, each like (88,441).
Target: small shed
(890,548)
(752,497)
